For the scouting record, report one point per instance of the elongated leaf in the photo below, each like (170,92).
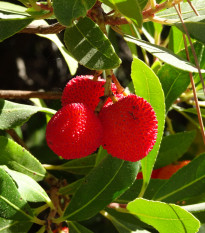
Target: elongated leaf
(80,166)
(176,42)
(102,185)
(66,11)
(186,183)
(174,81)
(28,188)
(75,227)
(17,158)
(166,218)
(125,222)
(195,27)
(193,111)
(13,114)
(133,192)
(10,8)
(171,150)
(186,10)
(71,188)
(7,226)
(12,205)
(164,54)
(148,86)
(89,46)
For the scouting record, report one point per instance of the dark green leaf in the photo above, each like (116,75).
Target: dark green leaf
(102,185)
(147,85)
(171,150)
(89,46)
(18,158)
(13,114)
(28,188)
(186,183)
(195,27)
(125,222)
(66,11)
(164,54)
(133,192)
(7,226)
(75,227)
(71,188)
(12,205)
(166,218)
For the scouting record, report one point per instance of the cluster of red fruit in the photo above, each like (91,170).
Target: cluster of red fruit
(127,129)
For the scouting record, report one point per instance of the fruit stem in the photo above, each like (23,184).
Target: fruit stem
(120,89)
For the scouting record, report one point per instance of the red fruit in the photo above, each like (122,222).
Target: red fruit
(167,171)
(61,230)
(74,131)
(129,128)
(82,89)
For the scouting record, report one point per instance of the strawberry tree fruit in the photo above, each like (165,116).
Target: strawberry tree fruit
(74,131)
(61,230)
(166,172)
(129,128)
(82,89)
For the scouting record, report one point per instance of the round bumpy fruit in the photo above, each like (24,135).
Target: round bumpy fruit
(129,128)
(74,131)
(166,172)
(82,89)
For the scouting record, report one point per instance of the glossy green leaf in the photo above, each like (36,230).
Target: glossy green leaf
(80,166)
(66,11)
(13,114)
(75,227)
(13,19)
(102,185)
(18,158)
(171,150)
(195,27)
(176,42)
(7,226)
(147,85)
(166,218)
(12,205)
(187,182)
(28,188)
(126,222)
(133,192)
(89,46)
(186,10)
(174,81)
(130,8)
(71,188)
(164,55)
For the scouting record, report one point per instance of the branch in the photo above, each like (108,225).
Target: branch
(13,94)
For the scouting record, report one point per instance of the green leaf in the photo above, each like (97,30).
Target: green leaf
(164,54)
(102,185)
(75,227)
(13,19)
(28,188)
(66,11)
(187,182)
(18,158)
(71,188)
(171,150)
(195,27)
(147,85)
(186,10)
(13,114)
(175,81)
(125,222)
(166,218)
(176,42)
(89,46)
(12,205)
(78,166)
(7,226)
(133,192)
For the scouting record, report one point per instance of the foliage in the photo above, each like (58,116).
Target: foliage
(41,192)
